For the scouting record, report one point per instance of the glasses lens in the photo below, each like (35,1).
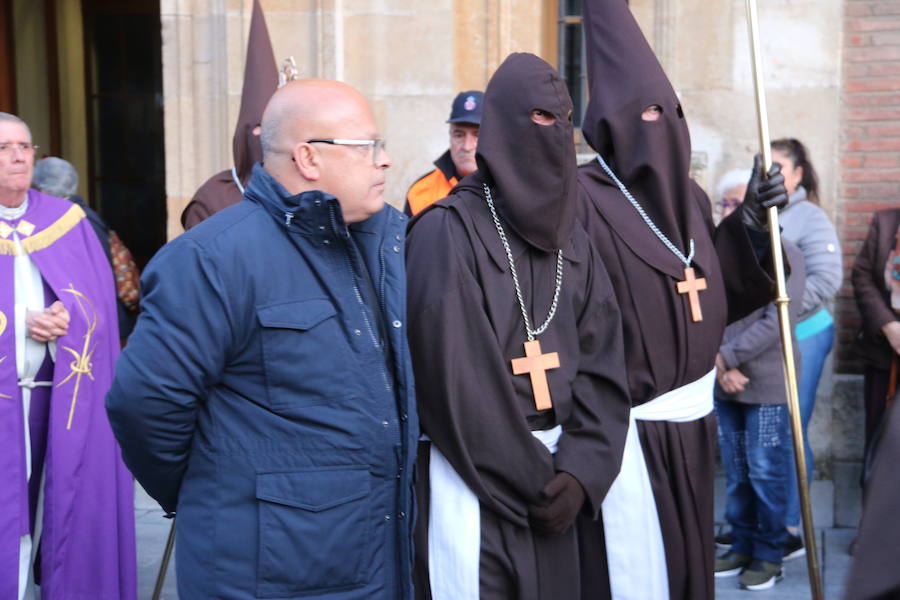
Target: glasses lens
(377,147)
(26,148)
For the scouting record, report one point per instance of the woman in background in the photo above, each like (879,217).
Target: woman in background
(805,224)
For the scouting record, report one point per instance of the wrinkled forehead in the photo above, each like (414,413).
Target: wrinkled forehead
(13,131)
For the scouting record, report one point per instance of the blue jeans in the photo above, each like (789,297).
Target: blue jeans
(752,439)
(813,352)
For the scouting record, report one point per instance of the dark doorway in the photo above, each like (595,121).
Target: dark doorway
(126,161)
(7,65)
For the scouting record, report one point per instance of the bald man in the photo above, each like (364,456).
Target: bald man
(266,392)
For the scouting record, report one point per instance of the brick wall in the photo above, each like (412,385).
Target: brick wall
(869,154)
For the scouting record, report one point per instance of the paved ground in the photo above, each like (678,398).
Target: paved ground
(153,529)
(834,563)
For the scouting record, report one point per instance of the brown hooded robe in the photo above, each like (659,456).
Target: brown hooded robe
(466,326)
(664,348)
(260,82)
(874,574)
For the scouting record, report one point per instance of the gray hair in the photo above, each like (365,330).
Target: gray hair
(55,176)
(270,135)
(4,116)
(731,179)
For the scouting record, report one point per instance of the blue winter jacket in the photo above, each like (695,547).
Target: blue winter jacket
(257,397)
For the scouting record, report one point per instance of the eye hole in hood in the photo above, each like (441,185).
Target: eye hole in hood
(530,163)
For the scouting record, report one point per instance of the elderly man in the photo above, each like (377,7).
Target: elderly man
(67,528)
(266,392)
(457,162)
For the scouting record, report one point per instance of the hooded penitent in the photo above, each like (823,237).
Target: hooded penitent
(466,326)
(652,158)
(535,184)
(669,354)
(260,82)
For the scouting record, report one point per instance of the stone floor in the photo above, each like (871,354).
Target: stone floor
(152,532)
(832,542)
(834,563)
(153,529)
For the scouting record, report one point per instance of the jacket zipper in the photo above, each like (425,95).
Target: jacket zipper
(359,299)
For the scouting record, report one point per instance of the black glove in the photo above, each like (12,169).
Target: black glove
(761,194)
(565,497)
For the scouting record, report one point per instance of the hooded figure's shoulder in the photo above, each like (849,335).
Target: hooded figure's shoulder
(233,226)
(439,223)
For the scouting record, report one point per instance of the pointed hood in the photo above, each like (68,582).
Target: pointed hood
(652,158)
(260,82)
(530,167)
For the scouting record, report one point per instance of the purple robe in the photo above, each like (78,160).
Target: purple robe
(87,544)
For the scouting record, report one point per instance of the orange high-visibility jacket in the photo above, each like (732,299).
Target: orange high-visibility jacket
(432,186)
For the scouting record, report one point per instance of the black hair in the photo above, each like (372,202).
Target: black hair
(798,153)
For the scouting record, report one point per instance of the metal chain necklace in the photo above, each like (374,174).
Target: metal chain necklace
(237,180)
(687,260)
(531,333)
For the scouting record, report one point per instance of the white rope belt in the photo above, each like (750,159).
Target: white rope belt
(30,383)
(454,527)
(630,521)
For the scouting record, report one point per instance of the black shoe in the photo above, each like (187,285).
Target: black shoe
(724,540)
(793,547)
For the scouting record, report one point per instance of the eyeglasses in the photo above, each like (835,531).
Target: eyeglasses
(377,145)
(26,148)
(729,203)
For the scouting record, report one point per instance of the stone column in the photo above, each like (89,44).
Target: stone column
(195,82)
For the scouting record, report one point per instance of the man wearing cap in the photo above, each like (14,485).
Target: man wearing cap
(457,162)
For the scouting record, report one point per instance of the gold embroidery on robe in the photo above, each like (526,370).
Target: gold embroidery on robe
(46,237)
(81,361)
(42,239)
(3,322)
(23,228)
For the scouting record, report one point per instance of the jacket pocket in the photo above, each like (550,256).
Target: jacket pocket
(313,531)
(304,350)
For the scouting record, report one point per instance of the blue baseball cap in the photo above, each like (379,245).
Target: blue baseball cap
(467,107)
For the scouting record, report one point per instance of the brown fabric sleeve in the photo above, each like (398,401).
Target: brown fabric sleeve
(867,276)
(466,403)
(594,435)
(748,284)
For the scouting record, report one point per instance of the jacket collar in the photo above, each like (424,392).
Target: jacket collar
(445,164)
(796,198)
(313,213)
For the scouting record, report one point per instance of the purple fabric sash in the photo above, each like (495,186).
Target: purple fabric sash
(87,544)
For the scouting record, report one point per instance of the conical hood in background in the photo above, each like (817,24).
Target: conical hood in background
(260,82)
(652,158)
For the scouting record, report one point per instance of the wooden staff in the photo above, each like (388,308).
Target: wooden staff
(782,300)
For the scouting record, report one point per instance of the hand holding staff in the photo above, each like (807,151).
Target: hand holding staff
(782,300)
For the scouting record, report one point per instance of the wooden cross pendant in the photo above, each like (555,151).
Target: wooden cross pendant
(536,364)
(690,286)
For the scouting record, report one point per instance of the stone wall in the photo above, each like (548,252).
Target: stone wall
(409,57)
(869,139)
